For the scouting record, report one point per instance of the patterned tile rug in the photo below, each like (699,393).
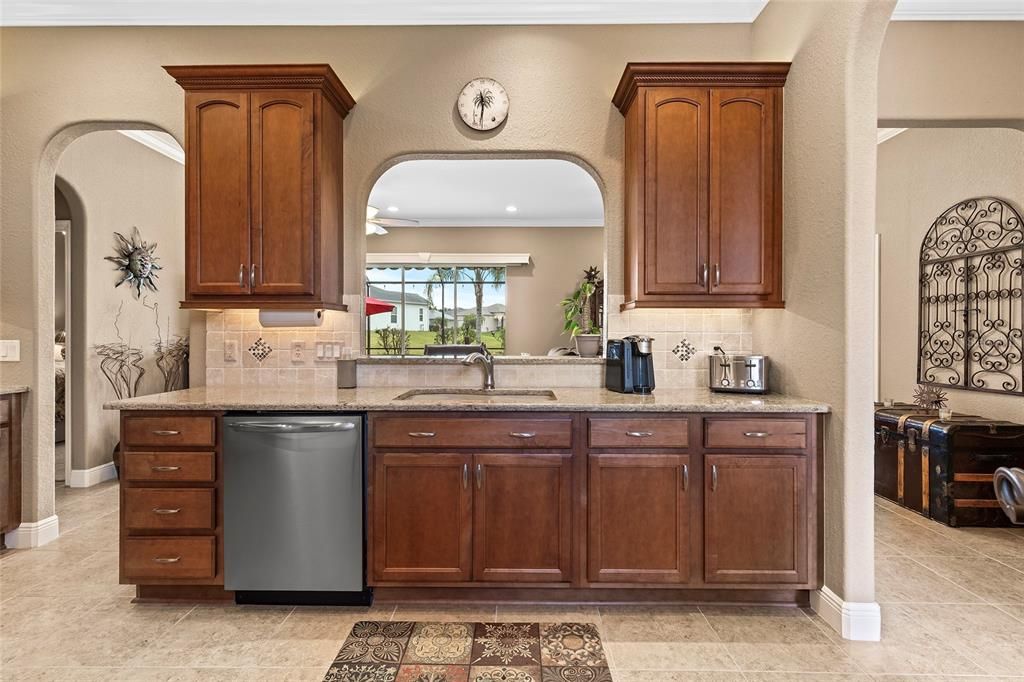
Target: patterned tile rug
(396,651)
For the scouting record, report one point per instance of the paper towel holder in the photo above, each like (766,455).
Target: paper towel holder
(291,318)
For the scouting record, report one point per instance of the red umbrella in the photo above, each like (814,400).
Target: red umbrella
(375,306)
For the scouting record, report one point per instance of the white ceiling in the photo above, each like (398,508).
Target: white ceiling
(439,12)
(477,192)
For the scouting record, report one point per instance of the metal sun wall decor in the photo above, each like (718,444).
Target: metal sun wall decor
(136,261)
(970,329)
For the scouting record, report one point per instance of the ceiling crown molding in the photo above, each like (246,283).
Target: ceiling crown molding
(889,133)
(959,10)
(374,12)
(158,144)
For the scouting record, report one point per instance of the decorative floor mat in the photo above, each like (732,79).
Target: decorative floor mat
(402,651)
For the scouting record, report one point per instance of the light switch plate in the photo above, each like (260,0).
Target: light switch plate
(10,351)
(231,351)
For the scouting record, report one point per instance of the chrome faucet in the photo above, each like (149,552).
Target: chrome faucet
(484,357)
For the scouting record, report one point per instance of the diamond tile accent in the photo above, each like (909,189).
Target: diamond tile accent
(260,350)
(684,350)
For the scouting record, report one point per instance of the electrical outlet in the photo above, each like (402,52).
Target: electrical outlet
(298,349)
(231,351)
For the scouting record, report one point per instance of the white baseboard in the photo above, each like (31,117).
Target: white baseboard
(860,621)
(85,478)
(33,534)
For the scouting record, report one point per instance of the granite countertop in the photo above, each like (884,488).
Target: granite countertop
(302,398)
(8,390)
(415,360)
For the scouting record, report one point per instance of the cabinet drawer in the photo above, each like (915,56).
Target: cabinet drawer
(168,558)
(474,432)
(170,431)
(755,433)
(199,467)
(608,432)
(169,509)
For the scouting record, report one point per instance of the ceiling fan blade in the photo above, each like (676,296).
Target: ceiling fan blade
(395,222)
(372,228)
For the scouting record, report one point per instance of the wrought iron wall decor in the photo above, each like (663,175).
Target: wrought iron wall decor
(970,329)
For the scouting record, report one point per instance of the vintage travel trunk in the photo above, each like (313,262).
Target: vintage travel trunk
(943,468)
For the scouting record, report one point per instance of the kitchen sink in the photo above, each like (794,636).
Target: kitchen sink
(478,395)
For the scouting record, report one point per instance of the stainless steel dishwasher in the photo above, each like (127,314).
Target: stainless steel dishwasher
(293,508)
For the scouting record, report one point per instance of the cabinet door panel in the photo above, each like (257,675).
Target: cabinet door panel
(676,217)
(422,511)
(522,518)
(639,519)
(282,191)
(755,519)
(217,174)
(742,191)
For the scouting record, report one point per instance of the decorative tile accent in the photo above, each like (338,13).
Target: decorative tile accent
(400,651)
(260,350)
(684,350)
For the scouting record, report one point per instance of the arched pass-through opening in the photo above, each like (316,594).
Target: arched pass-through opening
(38,475)
(524,227)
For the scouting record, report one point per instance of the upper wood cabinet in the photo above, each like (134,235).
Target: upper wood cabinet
(263,191)
(703,194)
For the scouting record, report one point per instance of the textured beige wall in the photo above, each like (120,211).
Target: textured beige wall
(921,173)
(817,342)
(404,79)
(120,184)
(558,256)
(940,71)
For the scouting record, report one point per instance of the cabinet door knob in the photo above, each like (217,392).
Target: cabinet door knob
(640,434)
(165,512)
(714,477)
(686,477)
(241,275)
(422,434)
(166,432)
(522,434)
(167,559)
(164,468)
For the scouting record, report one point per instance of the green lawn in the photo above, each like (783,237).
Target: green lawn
(418,339)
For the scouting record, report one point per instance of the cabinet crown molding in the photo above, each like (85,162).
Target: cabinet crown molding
(710,74)
(265,77)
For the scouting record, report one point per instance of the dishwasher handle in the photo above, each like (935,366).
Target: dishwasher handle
(292,427)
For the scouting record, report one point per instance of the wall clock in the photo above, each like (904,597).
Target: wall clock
(483,104)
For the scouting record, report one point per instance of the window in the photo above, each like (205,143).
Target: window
(454,304)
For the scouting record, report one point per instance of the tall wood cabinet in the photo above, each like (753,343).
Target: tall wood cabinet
(263,189)
(703,195)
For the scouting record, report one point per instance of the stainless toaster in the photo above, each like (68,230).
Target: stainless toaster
(737,373)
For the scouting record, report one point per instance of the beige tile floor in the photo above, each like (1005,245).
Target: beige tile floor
(952,608)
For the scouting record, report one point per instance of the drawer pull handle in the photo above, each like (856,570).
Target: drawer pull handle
(522,434)
(166,432)
(756,434)
(686,477)
(640,434)
(165,468)
(167,559)
(714,477)
(422,434)
(165,512)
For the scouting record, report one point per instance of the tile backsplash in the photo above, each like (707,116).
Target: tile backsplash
(682,341)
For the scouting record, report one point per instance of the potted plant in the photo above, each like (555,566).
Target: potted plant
(579,319)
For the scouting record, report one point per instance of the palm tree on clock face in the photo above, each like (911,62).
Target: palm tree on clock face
(482,101)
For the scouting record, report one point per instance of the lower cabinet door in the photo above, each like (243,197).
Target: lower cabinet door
(755,519)
(422,515)
(639,519)
(522,517)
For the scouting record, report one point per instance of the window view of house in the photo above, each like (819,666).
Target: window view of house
(411,307)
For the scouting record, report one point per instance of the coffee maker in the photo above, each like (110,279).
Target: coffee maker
(629,365)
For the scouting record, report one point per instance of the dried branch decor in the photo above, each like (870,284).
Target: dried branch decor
(120,363)
(171,355)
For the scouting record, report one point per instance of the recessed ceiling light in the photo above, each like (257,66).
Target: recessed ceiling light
(392,209)
(511,209)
